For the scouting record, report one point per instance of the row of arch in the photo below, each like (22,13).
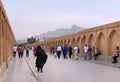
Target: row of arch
(105,37)
(7,40)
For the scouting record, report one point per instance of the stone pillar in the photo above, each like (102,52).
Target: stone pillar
(106,42)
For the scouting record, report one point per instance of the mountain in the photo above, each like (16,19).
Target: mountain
(59,32)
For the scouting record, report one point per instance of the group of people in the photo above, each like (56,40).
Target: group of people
(20,51)
(91,52)
(38,52)
(88,52)
(64,50)
(41,55)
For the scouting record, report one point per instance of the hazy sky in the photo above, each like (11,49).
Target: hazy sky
(33,17)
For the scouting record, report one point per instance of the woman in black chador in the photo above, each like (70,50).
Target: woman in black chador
(41,58)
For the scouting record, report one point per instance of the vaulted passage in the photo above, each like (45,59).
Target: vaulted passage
(105,37)
(82,44)
(113,42)
(101,43)
(91,41)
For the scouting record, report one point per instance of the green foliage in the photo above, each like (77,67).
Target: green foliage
(31,40)
(22,44)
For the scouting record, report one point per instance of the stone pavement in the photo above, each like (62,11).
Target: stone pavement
(106,62)
(60,70)
(18,71)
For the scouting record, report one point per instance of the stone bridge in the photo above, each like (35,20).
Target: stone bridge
(105,37)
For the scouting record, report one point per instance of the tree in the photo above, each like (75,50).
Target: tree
(31,40)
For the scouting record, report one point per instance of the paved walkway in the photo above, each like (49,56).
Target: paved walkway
(103,62)
(18,71)
(60,70)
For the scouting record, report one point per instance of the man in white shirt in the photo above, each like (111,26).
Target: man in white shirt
(14,50)
(59,49)
(85,51)
(75,53)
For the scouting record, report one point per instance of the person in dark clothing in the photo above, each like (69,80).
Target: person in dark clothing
(41,58)
(116,55)
(65,50)
(89,52)
(97,53)
(78,50)
(20,52)
(70,52)
(27,51)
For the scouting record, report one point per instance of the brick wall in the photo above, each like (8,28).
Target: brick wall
(7,40)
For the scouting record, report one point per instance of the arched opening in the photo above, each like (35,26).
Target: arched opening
(73,42)
(61,43)
(113,42)
(68,42)
(82,44)
(91,41)
(78,42)
(65,42)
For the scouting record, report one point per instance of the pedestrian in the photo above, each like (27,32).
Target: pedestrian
(65,50)
(70,52)
(41,58)
(20,51)
(85,51)
(14,50)
(27,51)
(97,53)
(59,50)
(89,52)
(116,55)
(78,53)
(75,53)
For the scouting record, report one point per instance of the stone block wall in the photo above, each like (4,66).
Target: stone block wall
(105,37)
(7,40)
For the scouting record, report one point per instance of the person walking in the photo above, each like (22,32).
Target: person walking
(59,50)
(89,52)
(116,55)
(70,52)
(27,51)
(85,51)
(41,58)
(97,53)
(75,53)
(20,52)
(14,50)
(65,50)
